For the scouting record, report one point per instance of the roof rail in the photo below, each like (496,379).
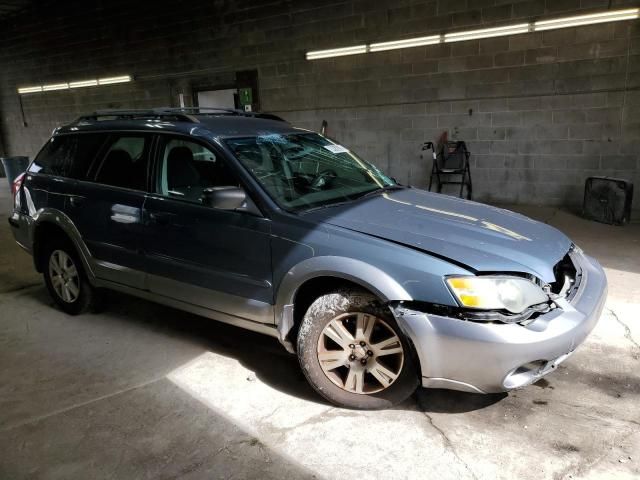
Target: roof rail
(203,110)
(223,111)
(155,113)
(183,114)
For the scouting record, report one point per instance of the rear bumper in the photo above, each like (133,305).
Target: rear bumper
(493,357)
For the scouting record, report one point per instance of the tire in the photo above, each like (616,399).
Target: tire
(58,254)
(352,377)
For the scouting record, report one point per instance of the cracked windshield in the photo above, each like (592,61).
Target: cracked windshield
(303,171)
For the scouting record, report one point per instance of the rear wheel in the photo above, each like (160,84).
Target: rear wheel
(353,353)
(65,277)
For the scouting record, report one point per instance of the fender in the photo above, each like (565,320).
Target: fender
(356,271)
(61,220)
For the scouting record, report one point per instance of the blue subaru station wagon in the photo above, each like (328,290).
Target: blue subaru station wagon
(376,287)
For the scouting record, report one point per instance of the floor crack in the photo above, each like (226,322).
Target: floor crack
(627,330)
(269,415)
(39,418)
(449,445)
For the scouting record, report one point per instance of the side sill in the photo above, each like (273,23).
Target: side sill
(258,327)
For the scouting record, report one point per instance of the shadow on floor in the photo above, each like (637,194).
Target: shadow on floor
(448,401)
(261,354)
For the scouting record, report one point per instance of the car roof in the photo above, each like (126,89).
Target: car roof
(224,124)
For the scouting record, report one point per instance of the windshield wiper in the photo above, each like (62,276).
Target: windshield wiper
(370,193)
(326,205)
(388,188)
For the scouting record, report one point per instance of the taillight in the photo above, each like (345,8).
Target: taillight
(17,183)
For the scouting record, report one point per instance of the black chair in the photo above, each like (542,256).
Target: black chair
(452,160)
(183,178)
(118,169)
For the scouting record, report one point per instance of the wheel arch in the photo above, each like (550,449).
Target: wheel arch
(55,222)
(43,232)
(324,271)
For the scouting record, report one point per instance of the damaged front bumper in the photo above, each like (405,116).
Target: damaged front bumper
(495,357)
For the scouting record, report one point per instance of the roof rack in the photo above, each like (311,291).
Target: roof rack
(155,113)
(183,114)
(211,111)
(204,110)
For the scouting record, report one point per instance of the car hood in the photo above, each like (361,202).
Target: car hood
(477,236)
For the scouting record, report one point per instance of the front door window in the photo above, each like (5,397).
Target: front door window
(188,168)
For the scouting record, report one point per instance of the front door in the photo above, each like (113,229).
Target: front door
(107,208)
(217,259)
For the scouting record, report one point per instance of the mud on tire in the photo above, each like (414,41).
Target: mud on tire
(347,385)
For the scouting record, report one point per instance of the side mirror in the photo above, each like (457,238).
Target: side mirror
(229,198)
(224,198)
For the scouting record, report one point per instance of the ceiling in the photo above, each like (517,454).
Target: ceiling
(10,7)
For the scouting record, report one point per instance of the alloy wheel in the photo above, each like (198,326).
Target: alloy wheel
(64,276)
(360,353)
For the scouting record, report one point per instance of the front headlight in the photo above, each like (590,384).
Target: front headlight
(514,294)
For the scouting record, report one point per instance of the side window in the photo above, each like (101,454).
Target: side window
(187,168)
(125,162)
(68,155)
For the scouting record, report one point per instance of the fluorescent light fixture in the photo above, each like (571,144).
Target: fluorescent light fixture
(409,42)
(112,80)
(610,16)
(79,84)
(83,83)
(337,52)
(30,89)
(487,33)
(55,86)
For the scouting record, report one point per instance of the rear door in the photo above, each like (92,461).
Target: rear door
(217,259)
(107,207)
(50,179)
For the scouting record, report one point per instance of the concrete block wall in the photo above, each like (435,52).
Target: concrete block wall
(539,111)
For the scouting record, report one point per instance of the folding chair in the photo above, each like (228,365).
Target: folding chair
(451,160)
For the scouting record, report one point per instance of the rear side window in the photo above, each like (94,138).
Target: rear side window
(125,162)
(68,155)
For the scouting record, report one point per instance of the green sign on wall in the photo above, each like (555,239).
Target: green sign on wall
(246,97)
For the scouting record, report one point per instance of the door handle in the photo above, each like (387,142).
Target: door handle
(161,218)
(125,213)
(76,201)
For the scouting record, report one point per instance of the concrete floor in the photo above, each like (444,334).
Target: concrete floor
(144,391)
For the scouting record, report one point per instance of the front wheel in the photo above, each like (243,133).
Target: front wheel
(353,353)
